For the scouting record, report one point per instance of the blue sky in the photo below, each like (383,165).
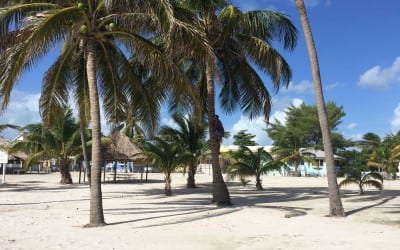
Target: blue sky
(359,53)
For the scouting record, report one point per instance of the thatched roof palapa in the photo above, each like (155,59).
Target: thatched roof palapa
(122,148)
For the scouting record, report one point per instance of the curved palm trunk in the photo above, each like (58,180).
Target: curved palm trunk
(96,201)
(168,188)
(335,203)
(220,190)
(192,171)
(65,174)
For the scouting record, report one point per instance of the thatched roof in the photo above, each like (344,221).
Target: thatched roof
(5,144)
(121,148)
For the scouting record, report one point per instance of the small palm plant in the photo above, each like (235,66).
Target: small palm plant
(166,156)
(60,141)
(247,163)
(356,176)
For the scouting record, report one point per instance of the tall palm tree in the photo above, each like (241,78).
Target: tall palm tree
(97,29)
(60,141)
(191,135)
(166,156)
(335,203)
(240,40)
(248,163)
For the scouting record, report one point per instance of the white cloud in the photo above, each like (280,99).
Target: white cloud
(381,77)
(352,125)
(280,106)
(23,109)
(256,127)
(395,122)
(303,87)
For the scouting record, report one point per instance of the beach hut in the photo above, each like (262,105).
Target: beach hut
(120,155)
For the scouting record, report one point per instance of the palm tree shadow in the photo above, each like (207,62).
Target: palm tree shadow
(187,208)
(369,206)
(181,217)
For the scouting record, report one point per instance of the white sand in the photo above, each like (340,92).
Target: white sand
(38,213)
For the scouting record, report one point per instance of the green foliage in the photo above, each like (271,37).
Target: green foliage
(381,153)
(246,163)
(303,129)
(60,141)
(356,176)
(242,138)
(166,156)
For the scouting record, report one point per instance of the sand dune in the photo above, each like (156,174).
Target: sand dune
(38,213)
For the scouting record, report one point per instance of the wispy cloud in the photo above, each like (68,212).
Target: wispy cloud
(381,77)
(303,87)
(352,125)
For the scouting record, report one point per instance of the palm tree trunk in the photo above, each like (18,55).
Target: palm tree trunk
(220,191)
(296,169)
(64,171)
(258,182)
(335,203)
(84,148)
(167,188)
(192,171)
(96,200)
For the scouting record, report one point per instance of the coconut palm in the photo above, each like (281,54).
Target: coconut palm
(335,203)
(247,163)
(97,29)
(240,41)
(166,156)
(60,141)
(356,176)
(191,135)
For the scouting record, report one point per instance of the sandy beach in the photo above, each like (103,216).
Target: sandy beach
(38,213)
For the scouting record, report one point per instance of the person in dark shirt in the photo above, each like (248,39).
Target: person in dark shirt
(218,130)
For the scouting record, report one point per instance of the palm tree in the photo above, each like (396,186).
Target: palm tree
(248,163)
(239,41)
(335,203)
(382,155)
(166,156)
(191,135)
(60,141)
(287,145)
(369,179)
(104,33)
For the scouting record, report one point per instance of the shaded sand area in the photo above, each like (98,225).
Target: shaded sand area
(38,213)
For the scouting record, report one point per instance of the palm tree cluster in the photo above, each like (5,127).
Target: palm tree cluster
(132,56)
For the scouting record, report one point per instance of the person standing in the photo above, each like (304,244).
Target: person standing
(218,130)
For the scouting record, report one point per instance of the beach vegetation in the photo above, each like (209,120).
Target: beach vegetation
(241,42)
(191,136)
(165,155)
(60,141)
(248,163)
